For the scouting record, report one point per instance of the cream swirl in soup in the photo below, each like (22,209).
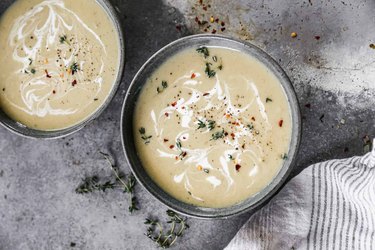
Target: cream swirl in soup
(212,126)
(59,60)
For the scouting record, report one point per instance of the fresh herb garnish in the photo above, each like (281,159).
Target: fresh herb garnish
(32,71)
(203,50)
(218,135)
(144,137)
(179,147)
(126,183)
(284,156)
(220,67)
(164,85)
(178,144)
(30,61)
(211,124)
(214,58)
(64,39)
(250,126)
(74,68)
(268,100)
(209,72)
(166,238)
(231,157)
(201,124)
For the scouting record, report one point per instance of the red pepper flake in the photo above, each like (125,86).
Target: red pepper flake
(184,137)
(174,104)
(47,75)
(184,154)
(166,140)
(232,134)
(222,29)
(214,31)
(253,118)
(281,123)
(200,2)
(171,146)
(183,107)
(206,94)
(176,157)
(166,114)
(317,37)
(217,20)
(74,83)
(205,8)
(243,146)
(54,92)
(196,19)
(178,27)
(222,23)
(193,76)
(205,30)
(238,166)
(226,133)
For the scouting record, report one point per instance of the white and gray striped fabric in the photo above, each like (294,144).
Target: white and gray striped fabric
(330,205)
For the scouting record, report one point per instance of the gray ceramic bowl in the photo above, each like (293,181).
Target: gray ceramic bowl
(127,126)
(22,130)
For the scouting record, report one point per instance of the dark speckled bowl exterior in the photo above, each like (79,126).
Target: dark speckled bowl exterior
(22,130)
(128,138)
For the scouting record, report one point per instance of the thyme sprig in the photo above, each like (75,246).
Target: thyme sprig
(203,50)
(126,183)
(64,39)
(211,124)
(145,137)
(74,68)
(218,135)
(201,124)
(179,147)
(166,238)
(209,72)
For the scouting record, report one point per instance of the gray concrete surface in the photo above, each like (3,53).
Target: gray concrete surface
(335,75)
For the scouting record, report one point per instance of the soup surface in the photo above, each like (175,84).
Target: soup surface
(212,126)
(59,61)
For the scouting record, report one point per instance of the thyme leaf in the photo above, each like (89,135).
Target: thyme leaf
(74,68)
(145,138)
(201,124)
(64,39)
(217,135)
(203,50)
(209,72)
(269,100)
(211,124)
(162,237)
(164,85)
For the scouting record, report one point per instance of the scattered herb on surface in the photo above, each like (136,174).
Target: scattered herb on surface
(268,100)
(284,156)
(201,124)
(209,72)
(203,50)
(220,67)
(218,135)
(231,157)
(250,126)
(211,124)
(207,171)
(126,183)
(214,58)
(372,46)
(64,39)
(166,238)
(164,85)
(321,118)
(32,71)
(30,61)
(145,137)
(74,68)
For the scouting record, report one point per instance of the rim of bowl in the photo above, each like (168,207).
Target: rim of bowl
(19,129)
(252,202)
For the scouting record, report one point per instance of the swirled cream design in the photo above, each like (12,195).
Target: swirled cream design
(43,44)
(246,103)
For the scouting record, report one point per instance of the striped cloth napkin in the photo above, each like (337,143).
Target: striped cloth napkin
(330,205)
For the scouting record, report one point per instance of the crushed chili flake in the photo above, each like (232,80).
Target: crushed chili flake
(166,114)
(47,75)
(166,140)
(214,31)
(281,123)
(206,94)
(253,118)
(193,76)
(238,166)
(54,92)
(205,8)
(317,37)
(226,133)
(184,154)
(74,83)
(232,134)
(171,146)
(222,23)
(174,104)
(222,29)
(176,157)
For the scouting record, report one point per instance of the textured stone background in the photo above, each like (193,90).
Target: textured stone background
(335,75)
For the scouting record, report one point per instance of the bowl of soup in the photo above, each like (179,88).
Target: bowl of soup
(211,126)
(62,62)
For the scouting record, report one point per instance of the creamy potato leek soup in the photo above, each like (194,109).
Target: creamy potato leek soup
(59,61)
(212,126)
